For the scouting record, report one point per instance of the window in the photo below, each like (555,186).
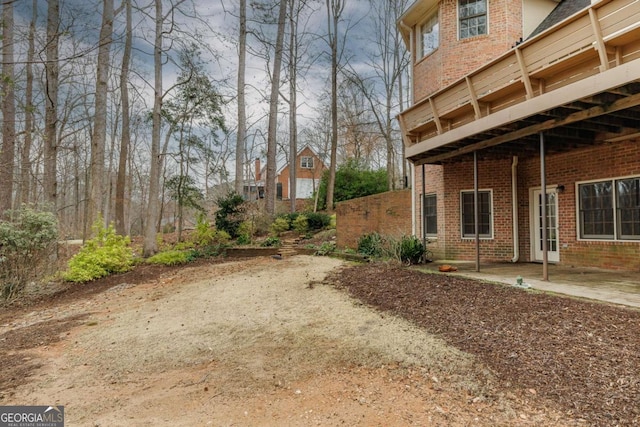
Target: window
(468,217)
(306,162)
(472,15)
(610,209)
(429,35)
(430,215)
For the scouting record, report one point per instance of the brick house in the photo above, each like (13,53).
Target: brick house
(513,96)
(309,169)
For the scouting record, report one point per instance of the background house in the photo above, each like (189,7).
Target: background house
(514,97)
(309,168)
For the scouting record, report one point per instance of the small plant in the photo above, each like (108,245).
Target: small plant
(172,257)
(300,224)
(243,239)
(280,225)
(271,241)
(410,250)
(27,239)
(371,244)
(203,234)
(104,254)
(326,248)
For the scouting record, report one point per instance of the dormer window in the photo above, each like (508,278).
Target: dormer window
(429,35)
(472,16)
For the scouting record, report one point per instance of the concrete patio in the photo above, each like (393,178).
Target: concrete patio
(617,287)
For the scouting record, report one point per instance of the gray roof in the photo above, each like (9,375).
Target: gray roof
(562,11)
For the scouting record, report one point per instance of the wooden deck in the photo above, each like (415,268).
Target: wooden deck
(568,62)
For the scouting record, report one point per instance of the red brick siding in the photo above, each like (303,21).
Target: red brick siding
(315,173)
(386,213)
(455,58)
(598,162)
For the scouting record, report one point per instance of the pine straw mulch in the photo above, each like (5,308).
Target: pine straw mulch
(580,357)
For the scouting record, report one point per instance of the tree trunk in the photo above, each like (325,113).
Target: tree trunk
(334,10)
(121,180)
(98,139)
(150,246)
(7,157)
(270,184)
(25,163)
(50,178)
(242,114)
(293,110)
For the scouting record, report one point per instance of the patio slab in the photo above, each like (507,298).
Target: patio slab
(613,286)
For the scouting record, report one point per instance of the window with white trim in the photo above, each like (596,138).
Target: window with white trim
(472,18)
(306,162)
(430,215)
(610,210)
(467,214)
(429,35)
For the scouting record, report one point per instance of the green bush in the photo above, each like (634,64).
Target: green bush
(353,179)
(105,254)
(271,241)
(326,248)
(318,220)
(279,225)
(244,239)
(172,257)
(371,244)
(27,239)
(231,209)
(300,224)
(410,250)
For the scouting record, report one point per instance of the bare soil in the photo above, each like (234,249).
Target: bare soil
(317,341)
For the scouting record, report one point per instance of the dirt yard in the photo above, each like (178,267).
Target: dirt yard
(315,341)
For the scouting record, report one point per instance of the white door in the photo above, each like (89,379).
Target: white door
(553,250)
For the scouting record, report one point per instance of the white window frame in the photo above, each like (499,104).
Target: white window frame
(486,15)
(434,21)
(306,162)
(616,218)
(489,236)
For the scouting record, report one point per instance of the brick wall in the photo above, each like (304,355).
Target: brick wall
(455,58)
(386,213)
(606,161)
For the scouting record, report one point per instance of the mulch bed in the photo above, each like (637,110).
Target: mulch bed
(578,356)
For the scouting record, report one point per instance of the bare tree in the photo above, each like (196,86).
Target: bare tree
(98,139)
(25,153)
(270,185)
(242,113)
(7,158)
(335,8)
(387,61)
(125,140)
(50,178)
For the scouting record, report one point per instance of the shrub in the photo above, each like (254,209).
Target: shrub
(318,220)
(300,224)
(172,257)
(105,254)
(230,213)
(203,234)
(326,248)
(27,239)
(244,239)
(410,250)
(371,244)
(271,241)
(280,225)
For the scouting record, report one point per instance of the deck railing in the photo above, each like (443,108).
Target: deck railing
(600,37)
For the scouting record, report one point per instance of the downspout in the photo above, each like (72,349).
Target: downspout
(514,210)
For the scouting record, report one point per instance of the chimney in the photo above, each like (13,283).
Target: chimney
(258,177)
